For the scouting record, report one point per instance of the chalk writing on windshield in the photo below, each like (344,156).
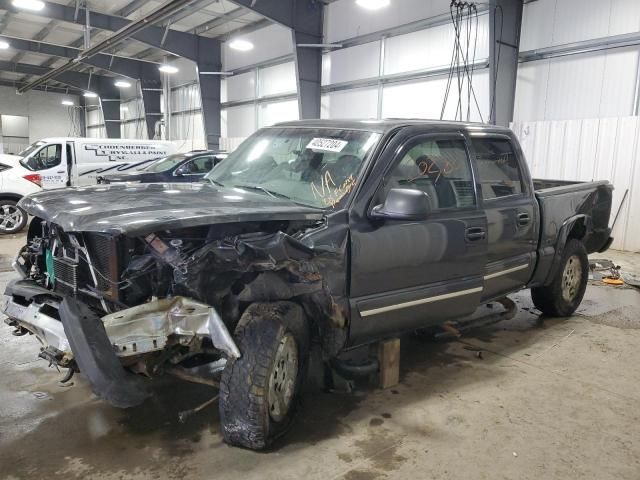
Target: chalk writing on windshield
(329,193)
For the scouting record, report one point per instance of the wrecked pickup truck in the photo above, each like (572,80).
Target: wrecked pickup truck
(323,234)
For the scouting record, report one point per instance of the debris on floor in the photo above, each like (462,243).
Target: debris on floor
(605,271)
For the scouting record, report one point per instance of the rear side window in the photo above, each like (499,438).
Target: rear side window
(440,168)
(498,171)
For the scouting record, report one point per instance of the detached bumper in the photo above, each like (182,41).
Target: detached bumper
(71,331)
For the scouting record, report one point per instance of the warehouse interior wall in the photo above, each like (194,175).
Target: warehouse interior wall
(390,65)
(47,117)
(575,111)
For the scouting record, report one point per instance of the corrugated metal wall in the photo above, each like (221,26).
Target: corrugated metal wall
(591,149)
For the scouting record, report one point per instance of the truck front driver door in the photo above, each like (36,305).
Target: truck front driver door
(409,274)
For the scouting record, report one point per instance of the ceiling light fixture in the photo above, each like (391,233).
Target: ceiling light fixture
(373,4)
(90,94)
(68,103)
(168,69)
(241,45)
(4,45)
(35,5)
(122,84)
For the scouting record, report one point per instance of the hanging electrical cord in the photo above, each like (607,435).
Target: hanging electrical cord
(451,64)
(463,20)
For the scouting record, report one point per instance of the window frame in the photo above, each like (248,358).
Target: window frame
(413,141)
(33,155)
(524,185)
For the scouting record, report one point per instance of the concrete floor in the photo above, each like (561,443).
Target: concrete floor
(553,399)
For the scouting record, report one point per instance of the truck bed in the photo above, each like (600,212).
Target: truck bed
(561,203)
(540,184)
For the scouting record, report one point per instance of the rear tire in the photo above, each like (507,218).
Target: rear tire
(563,295)
(259,391)
(12,218)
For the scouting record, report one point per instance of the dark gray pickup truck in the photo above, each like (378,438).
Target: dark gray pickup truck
(333,234)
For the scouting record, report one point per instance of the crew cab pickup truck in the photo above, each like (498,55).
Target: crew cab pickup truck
(328,233)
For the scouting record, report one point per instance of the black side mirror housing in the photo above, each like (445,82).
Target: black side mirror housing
(403,204)
(178,172)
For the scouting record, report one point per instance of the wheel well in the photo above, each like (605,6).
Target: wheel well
(10,196)
(578,230)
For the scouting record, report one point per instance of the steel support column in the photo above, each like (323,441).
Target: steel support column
(110,102)
(305,19)
(505,20)
(210,60)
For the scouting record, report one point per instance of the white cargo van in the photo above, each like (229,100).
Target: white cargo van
(63,162)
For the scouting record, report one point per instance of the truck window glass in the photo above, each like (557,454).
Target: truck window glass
(440,168)
(498,171)
(47,157)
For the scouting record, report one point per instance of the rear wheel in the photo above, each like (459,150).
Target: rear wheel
(259,391)
(12,218)
(563,295)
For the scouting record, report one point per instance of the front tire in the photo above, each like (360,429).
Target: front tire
(259,391)
(12,217)
(563,295)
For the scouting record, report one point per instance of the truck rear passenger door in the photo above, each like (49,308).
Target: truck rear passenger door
(512,214)
(408,274)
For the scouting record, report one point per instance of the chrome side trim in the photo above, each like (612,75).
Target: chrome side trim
(437,298)
(506,272)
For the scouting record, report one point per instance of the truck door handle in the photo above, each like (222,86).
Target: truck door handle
(523,219)
(474,234)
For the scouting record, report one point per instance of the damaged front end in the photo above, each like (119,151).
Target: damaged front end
(115,305)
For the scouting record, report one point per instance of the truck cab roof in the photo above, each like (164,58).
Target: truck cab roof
(387,124)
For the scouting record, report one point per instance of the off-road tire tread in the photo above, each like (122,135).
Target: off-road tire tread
(548,299)
(244,415)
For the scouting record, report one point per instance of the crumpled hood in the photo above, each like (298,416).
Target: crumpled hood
(142,208)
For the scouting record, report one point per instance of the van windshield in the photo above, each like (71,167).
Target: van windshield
(317,167)
(31,148)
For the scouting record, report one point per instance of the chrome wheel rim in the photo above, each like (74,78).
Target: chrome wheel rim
(282,381)
(571,278)
(10,217)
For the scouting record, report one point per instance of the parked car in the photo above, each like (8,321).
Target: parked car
(15,182)
(180,167)
(319,232)
(64,162)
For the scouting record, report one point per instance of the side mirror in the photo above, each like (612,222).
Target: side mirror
(179,172)
(404,204)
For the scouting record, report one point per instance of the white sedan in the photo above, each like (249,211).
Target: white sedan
(15,182)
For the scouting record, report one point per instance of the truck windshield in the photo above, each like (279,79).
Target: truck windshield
(317,167)
(164,164)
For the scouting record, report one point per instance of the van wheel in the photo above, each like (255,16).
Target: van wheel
(12,217)
(259,391)
(563,296)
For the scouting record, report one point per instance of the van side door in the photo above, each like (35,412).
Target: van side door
(512,213)
(407,274)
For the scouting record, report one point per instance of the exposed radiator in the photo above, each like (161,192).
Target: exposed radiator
(66,274)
